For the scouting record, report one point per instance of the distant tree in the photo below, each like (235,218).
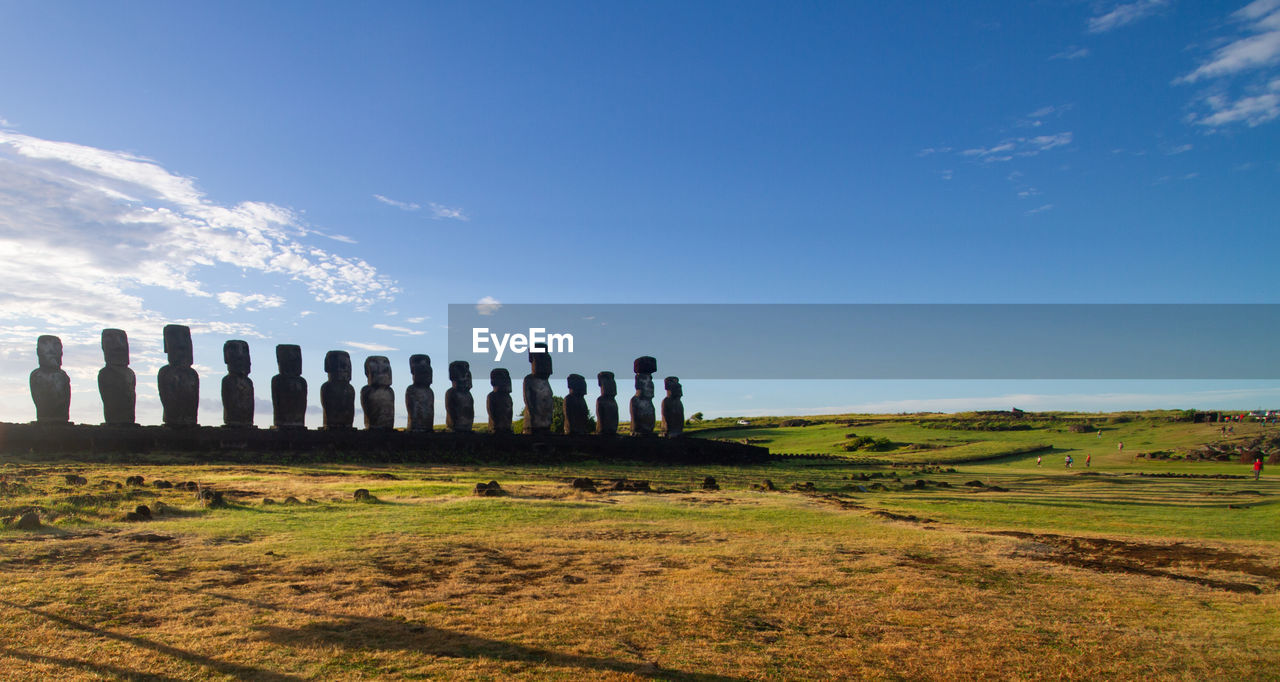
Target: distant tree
(697,417)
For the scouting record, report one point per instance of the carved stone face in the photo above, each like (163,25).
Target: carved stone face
(540,363)
(577,384)
(460,374)
(236,355)
(500,380)
(337,363)
(674,389)
(177,344)
(289,359)
(377,368)
(644,386)
(608,387)
(49,352)
(420,367)
(115,347)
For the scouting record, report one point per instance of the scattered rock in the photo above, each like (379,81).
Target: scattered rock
(574,579)
(920,483)
(628,485)
(133,480)
(161,484)
(292,500)
(794,422)
(490,489)
(143,510)
(134,517)
(187,485)
(768,485)
(74,479)
(976,484)
(584,484)
(709,483)
(362,495)
(28,521)
(267,501)
(148,537)
(210,498)
(806,487)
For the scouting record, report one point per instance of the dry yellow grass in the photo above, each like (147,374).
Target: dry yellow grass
(549,583)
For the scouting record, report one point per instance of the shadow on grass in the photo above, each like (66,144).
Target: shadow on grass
(385,634)
(111,671)
(223,667)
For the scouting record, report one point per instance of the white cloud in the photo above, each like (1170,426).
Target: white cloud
(250,302)
(402,205)
(1040,209)
(1252,111)
(371,347)
(1124,14)
(1072,52)
(1028,192)
(1007,149)
(488,305)
(1244,72)
(1180,149)
(399,330)
(446,213)
(417,320)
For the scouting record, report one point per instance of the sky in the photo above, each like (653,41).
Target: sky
(334,174)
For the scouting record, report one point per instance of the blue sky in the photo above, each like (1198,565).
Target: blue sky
(334,174)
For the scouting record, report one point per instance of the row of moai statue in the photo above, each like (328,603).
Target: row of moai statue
(179,387)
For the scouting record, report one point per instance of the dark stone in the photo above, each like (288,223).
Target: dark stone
(208,497)
(237,387)
(628,485)
(709,483)
(74,479)
(975,484)
(607,405)
(459,406)
(538,405)
(490,489)
(179,384)
(673,409)
(143,510)
(768,485)
(576,416)
(117,384)
(585,484)
(362,495)
(419,399)
(267,501)
(289,389)
(50,386)
(377,399)
(337,395)
(28,521)
(292,500)
(133,517)
(162,485)
(133,480)
(573,579)
(642,413)
(498,402)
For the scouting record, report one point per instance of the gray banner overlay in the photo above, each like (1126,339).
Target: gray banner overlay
(881,341)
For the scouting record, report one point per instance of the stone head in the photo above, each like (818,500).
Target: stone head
(460,374)
(236,355)
(577,384)
(337,364)
(377,368)
(500,380)
(177,344)
(289,359)
(644,386)
(540,364)
(645,365)
(420,367)
(674,389)
(115,347)
(608,387)
(49,352)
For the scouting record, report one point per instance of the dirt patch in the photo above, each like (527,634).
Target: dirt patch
(900,517)
(643,536)
(1118,556)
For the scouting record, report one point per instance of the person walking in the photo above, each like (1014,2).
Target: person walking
(1068,461)
(1087,459)
(1039,459)
(1257,468)
(1099,433)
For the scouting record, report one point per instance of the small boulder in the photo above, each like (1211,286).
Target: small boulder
(709,483)
(292,500)
(362,495)
(143,510)
(267,501)
(133,480)
(584,484)
(75,479)
(161,484)
(28,521)
(768,485)
(975,484)
(210,498)
(490,489)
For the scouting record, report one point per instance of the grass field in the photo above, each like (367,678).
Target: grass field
(846,569)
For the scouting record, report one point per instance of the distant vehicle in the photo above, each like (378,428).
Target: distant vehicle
(743,422)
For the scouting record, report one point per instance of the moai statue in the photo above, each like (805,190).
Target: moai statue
(337,395)
(419,399)
(237,387)
(673,409)
(498,403)
(607,405)
(537,394)
(117,384)
(459,408)
(178,383)
(50,386)
(289,389)
(575,406)
(377,399)
(642,417)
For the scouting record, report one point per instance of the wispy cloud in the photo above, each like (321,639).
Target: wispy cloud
(402,205)
(947,174)
(250,302)
(1072,52)
(1124,14)
(1179,149)
(928,151)
(399,330)
(371,347)
(1010,148)
(417,320)
(1040,209)
(1243,71)
(488,305)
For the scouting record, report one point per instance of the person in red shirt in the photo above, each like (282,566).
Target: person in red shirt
(1257,468)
